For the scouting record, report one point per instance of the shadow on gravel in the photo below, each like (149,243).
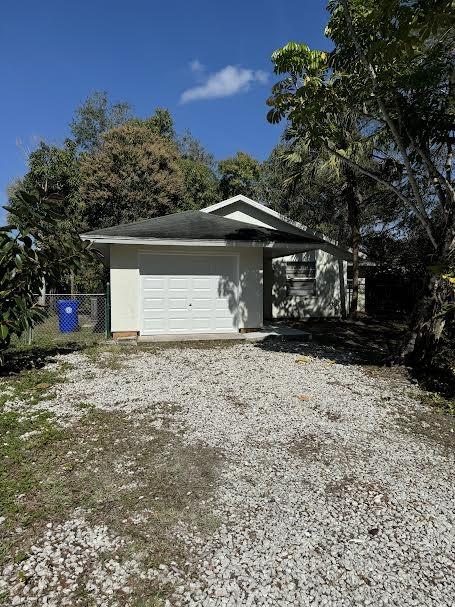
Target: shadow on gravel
(367,341)
(23,358)
(364,342)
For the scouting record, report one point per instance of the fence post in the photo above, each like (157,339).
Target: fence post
(107,311)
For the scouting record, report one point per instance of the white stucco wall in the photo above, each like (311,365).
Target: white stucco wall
(329,299)
(250,288)
(331,280)
(124,288)
(246,302)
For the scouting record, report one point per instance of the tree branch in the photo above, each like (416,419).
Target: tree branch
(433,172)
(389,121)
(423,217)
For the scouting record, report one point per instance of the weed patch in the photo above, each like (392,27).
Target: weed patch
(33,385)
(143,483)
(112,356)
(436,401)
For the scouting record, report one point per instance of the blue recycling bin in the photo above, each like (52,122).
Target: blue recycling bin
(67,310)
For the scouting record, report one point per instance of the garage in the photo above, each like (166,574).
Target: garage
(188,293)
(197,272)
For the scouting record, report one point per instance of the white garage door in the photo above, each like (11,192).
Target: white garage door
(188,293)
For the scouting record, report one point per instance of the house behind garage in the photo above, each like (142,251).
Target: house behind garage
(230,267)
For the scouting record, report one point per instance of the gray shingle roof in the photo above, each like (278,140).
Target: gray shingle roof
(196,225)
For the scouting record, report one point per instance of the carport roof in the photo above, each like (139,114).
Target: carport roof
(196,225)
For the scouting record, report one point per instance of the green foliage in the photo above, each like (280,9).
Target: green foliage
(240,174)
(162,123)
(32,251)
(392,67)
(433,399)
(295,189)
(133,175)
(201,187)
(54,169)
(96,116)
(192,148)
(200,184)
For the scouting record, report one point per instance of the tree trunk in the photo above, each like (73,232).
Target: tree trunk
(422,342)
(354,201)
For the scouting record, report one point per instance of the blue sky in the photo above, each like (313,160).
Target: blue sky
(207,62)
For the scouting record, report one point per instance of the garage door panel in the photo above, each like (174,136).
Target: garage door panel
(157,325)
(154,303)
(222,303)
(186,294)
(203,325)
(204,282)
(154,283)
(179,282)
(223,325)
(202,304)
(155,314)
(178,325)
(178,304)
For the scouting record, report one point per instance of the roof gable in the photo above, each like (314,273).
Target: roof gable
(255,209)
(242,208)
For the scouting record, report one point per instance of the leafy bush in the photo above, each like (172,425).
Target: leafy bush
(33,251)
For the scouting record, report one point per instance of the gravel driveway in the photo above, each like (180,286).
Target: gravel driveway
(334,486)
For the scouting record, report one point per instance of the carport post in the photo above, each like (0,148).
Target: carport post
(107,311)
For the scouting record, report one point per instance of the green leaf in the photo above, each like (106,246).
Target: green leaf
(19,262)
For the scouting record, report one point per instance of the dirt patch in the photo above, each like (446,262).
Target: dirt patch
(350,485)
(311,446)
(371,341)
(156,347)
(432,425)
(138,480)
(332,416)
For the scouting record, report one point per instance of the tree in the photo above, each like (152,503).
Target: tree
(201,184)
(133,175)
(292,186)
(239,175)
(326,167)
(316,189)
(392,64)
(29,255)
(162,123)
(192,148)
(54,169)
(96,116)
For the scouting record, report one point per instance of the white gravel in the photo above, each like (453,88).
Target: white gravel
(72,558)
(328,500)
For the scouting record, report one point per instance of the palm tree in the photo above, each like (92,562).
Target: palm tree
(349,187)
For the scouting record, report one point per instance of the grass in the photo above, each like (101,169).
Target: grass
(110,356)
(436,401)
(139,480)
(17,475)
(32,385)
(25,439)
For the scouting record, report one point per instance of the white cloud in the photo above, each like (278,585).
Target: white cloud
(196,66)
(228,81)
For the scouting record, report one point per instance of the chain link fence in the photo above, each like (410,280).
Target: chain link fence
(79,318)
